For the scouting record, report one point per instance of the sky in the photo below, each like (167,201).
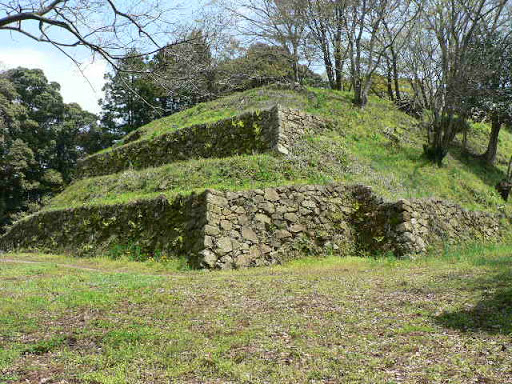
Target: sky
(83,88)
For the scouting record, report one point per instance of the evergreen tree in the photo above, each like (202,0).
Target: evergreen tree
(130,97)
(41,139)
(185,74)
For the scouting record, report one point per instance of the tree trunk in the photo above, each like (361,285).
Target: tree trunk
(438,145)
(492,148)
(389,81)
(509,170)
(338,65)
(328,68)
(327,59)
(339,73)
(394,61)
(360,94)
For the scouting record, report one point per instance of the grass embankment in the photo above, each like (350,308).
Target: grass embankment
(440,319)
(210,112)
(378,146)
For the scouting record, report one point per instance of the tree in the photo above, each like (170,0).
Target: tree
(490,83)
(185,74)
(453,24)
(368,39)
(259,65)
(131,98)
(41,139)
(275,22)
(17,180)
(326,22)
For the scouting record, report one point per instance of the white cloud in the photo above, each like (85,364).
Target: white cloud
(84,89)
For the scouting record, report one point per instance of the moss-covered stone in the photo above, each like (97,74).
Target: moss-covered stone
(271,130)
(222,229)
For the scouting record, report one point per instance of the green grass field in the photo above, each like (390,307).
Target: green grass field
(446,318)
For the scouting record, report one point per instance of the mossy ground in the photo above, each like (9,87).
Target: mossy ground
(379,146)
(444,318)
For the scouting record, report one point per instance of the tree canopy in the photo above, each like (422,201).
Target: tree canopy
(41,139)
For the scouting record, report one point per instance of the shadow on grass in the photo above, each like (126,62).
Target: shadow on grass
(489,174)
(493,313)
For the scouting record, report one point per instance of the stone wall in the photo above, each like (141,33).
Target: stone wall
(220,229)
(261,227)
(431,222)
(156,225)
(294,124)
(274,129)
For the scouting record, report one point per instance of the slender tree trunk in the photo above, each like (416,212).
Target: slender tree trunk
(492,148)
(296,74)
(338,64)
(394,60)
(328,67)
(509,170)
(327,60)
(389,80)
(338,73)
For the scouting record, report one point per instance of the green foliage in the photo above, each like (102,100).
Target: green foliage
(490,76)
(260,65)
(41,139)
(185,74)
(131,98)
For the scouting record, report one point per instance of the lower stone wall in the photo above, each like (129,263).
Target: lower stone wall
(259,227)
(153,226)
(221,230)
(268,226)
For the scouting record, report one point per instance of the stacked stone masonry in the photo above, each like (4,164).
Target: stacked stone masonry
(221,230)
(271,130)
(260,227)
(151,226)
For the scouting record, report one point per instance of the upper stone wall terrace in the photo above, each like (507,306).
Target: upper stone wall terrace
(271,130)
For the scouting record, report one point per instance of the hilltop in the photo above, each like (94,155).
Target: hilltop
(262,176)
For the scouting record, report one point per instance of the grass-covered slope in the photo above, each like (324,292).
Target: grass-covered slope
(204,113)
(378,146)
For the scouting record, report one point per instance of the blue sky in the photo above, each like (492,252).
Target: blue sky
(84,89)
